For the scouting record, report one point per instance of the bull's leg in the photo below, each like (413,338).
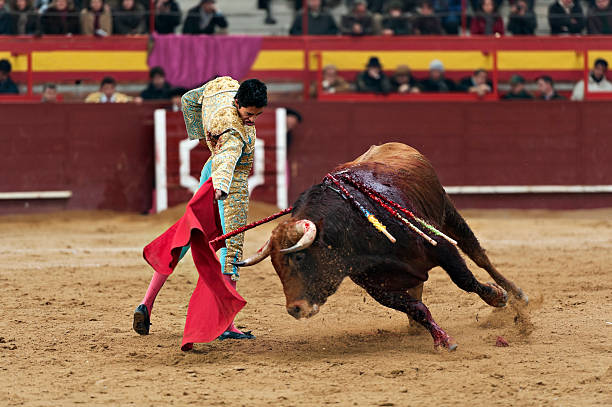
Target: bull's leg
(415,309)
(458,228)
(417,293)
(451,261)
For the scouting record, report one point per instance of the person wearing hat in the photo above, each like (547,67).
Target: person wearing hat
(403,81)
(436,82)
(205,19)
(373,79)
(597,80)
(359,21)
(517,89)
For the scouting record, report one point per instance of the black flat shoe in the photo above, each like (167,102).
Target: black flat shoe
(235,335)
(142,322)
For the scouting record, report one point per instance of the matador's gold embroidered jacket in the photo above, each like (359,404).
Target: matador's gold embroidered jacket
(210,115)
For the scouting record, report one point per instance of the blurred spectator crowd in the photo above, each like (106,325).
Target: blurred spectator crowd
(374,80)
(439,17)
(365,17)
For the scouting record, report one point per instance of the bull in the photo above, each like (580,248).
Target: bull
(326,240)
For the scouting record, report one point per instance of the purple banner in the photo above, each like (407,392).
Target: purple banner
(191,60)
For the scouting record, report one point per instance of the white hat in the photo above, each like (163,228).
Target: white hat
(437,65)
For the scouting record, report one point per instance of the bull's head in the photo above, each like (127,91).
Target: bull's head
(309,269)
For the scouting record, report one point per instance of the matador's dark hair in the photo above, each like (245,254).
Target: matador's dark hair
(252,92)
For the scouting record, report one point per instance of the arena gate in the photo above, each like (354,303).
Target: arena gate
(178,160)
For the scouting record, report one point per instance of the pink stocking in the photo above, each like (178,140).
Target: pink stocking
(231,327)
(155,285)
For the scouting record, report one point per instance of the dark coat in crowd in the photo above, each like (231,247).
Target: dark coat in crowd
(54,21)
(152,93)
(395,85)
(561,22)
(427,25)
(479,24)
(399,25)
(599,21)
(5,22)
(465,84)
(24,22)
(166,22)
(366,21)
(321,23)
(194,16)
(8,86)
(365,83)
(441,85)
(523,94)
(522,24)
(130,21)
(555,96)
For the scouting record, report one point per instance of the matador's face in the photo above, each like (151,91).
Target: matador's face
(248,114)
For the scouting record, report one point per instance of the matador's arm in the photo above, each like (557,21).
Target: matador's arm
(228,151)
(192,113)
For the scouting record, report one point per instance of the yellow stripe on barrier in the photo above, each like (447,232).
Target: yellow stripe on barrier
(269,60)
(95,61)
(539,60)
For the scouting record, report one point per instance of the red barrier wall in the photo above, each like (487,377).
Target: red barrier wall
(102,153)
(471,143)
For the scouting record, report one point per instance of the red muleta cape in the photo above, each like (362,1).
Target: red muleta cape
(214,303)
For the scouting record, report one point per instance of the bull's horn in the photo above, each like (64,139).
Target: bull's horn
(256,258)
(308,231)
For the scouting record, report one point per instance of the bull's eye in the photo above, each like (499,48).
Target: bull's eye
(299,257)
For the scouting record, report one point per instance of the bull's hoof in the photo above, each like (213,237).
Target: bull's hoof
(447,343)
(522,296)
(494,295)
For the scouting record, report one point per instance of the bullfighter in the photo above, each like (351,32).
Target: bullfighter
(221,114)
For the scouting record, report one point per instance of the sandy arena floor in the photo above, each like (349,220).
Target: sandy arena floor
(69,283)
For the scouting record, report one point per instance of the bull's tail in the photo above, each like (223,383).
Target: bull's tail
(456,227)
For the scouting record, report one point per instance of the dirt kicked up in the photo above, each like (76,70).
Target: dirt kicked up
(69,283)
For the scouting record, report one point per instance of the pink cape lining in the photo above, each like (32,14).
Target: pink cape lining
(214,303)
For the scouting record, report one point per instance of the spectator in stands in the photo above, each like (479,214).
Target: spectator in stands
(97,19)
(373,79)
(597,80)
(6,83)
(129,18)
(267,6)
(49,93)
(436,81)
(108,93)
(158,88)
(450,12)
(175,99)
(395,22)
(167,16)
(426,22)
(24,19)
(5,19)
(331,82)
(359,21)
(517,89)
(320,22)
(294,118)
(487,21)
(205,19)
(60,18)
(477,83)
(522,20)
(565,17)
(599,19)
(546,86)
(403,81)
